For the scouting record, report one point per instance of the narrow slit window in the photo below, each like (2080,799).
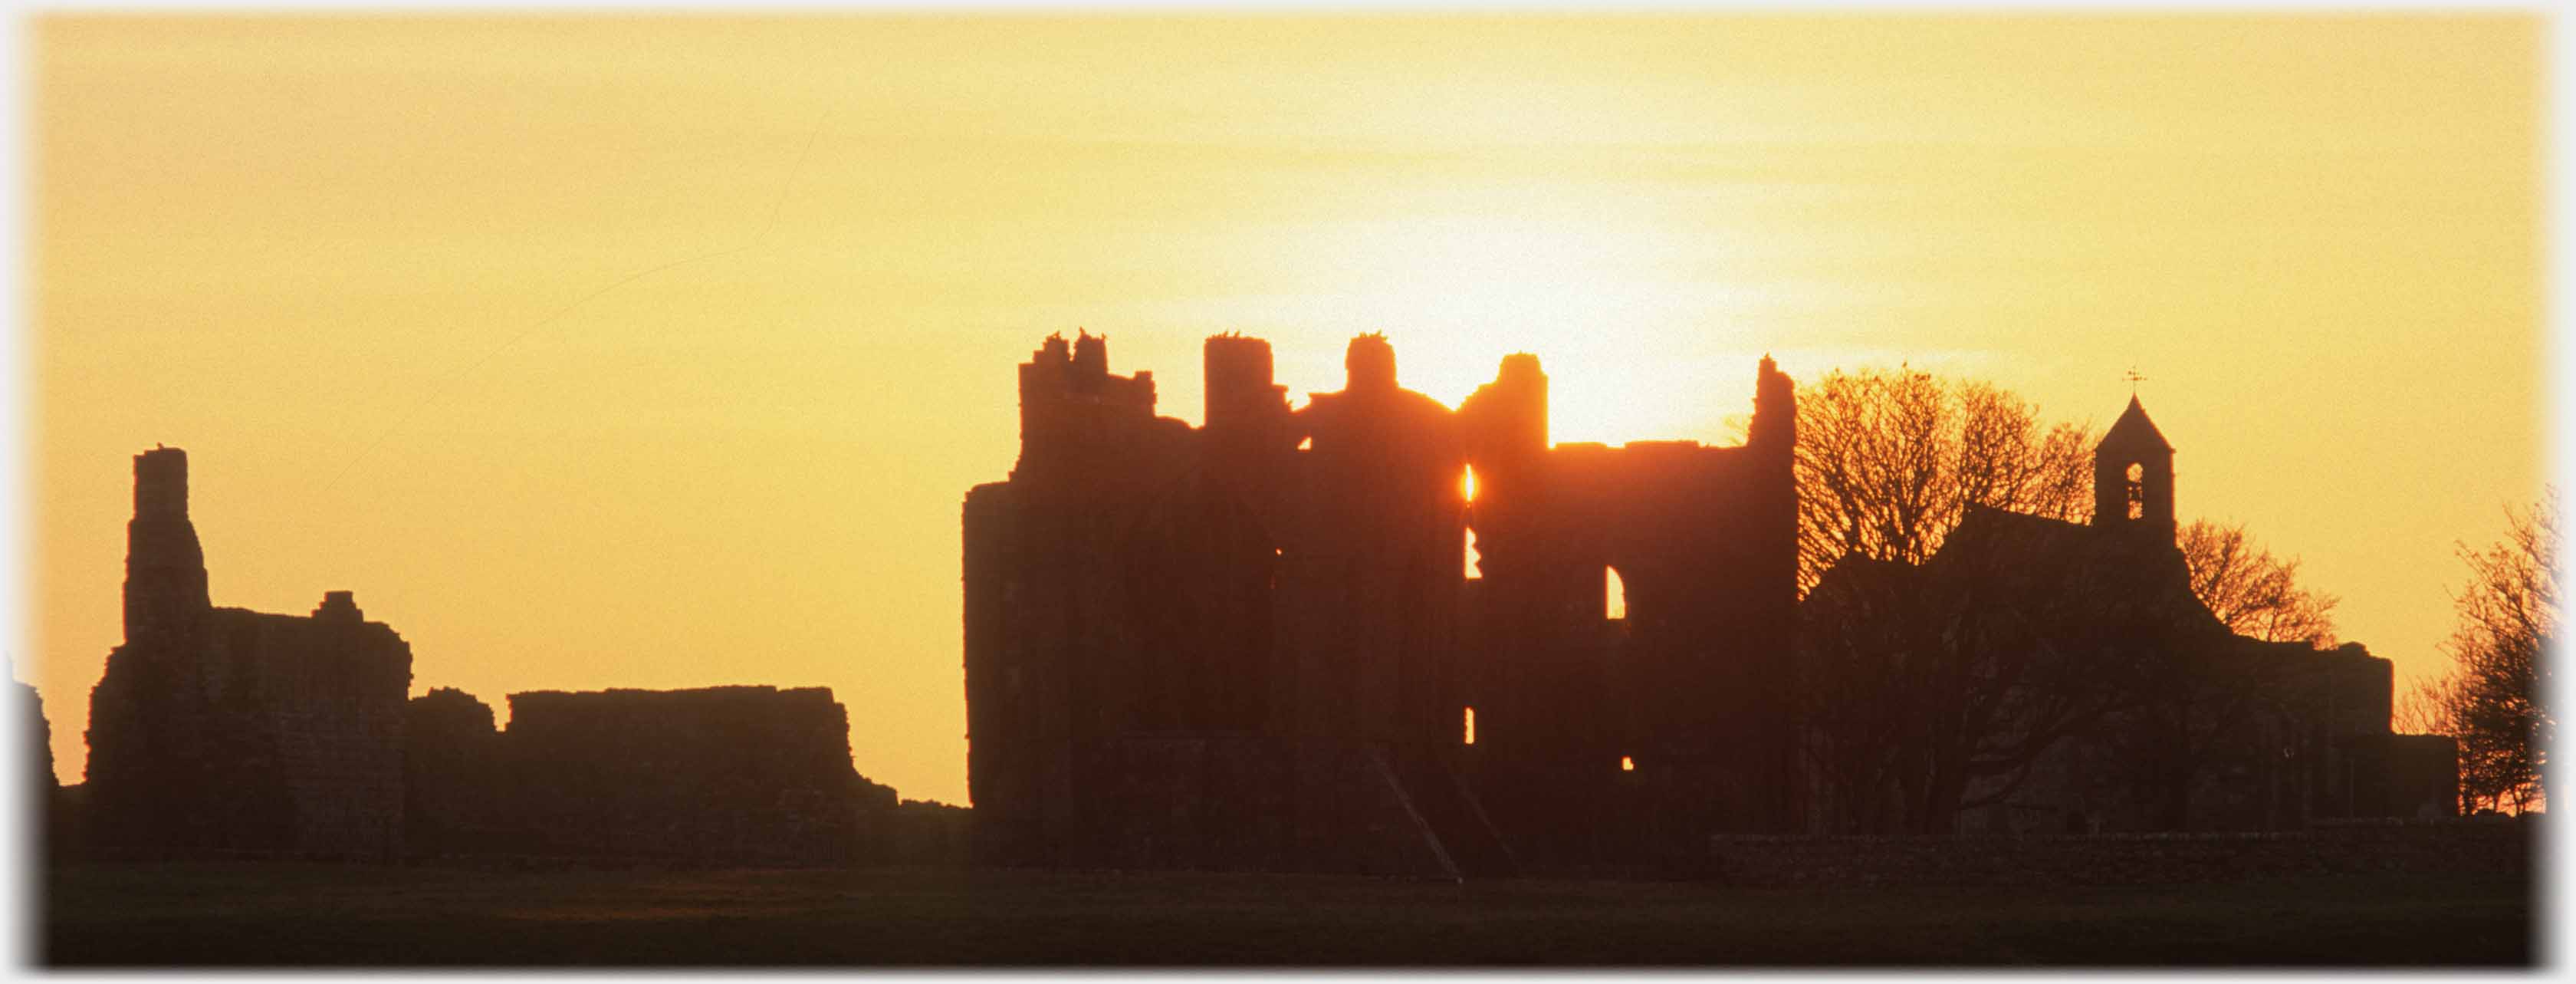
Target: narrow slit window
(2137,491)
(1471,726)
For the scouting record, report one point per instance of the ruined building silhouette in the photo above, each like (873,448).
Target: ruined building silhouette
(1254,644)
(219,730)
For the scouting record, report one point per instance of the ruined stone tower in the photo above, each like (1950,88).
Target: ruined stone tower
(219,731)
(165,569)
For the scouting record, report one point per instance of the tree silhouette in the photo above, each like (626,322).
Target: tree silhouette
(1889,460)
(2494,700)
(1935,689)
(2251,592)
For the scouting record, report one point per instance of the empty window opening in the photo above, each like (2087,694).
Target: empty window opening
(1467,485)
(2137,491)
(1471,726)
(1614,594)
(1627,764)
(1472,557)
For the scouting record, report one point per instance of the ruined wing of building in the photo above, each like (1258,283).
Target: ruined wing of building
(1254,644)
(743,775)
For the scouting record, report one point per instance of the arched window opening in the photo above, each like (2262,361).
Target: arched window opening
(2137,491)
(1472,557)
(1614,594)
(1471,727)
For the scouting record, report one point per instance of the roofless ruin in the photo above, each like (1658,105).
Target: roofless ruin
(1254,644)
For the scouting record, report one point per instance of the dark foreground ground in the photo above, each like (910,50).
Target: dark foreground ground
(316,915)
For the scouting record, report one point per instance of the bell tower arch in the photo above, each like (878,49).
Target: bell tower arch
(2133,479)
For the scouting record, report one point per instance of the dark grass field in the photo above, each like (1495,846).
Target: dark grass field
(318,915)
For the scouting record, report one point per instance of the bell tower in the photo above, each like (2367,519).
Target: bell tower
(2133,477)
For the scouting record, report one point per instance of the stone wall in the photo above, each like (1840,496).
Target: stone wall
(2402,776)
(32,705)
(720,774)
(44,797)
(2485,847)
(1206,801)
(456,789)
(326,693)
(931,834)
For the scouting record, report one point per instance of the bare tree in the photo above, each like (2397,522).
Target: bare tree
(2419,710)
(1924,686)
(1870,658)
(1889,460)
(1936,689)
(2495,698)
(2251,592)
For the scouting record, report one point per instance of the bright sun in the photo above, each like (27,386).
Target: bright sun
(1633,349)
(1642,328)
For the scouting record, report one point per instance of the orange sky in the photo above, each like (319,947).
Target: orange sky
(659,352)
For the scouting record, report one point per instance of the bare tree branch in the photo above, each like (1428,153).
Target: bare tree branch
(2250,591)
(2494,700)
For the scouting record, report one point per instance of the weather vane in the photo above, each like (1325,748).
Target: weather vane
(2134,379)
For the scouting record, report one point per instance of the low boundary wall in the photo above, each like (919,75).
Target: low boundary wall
(2493,847)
